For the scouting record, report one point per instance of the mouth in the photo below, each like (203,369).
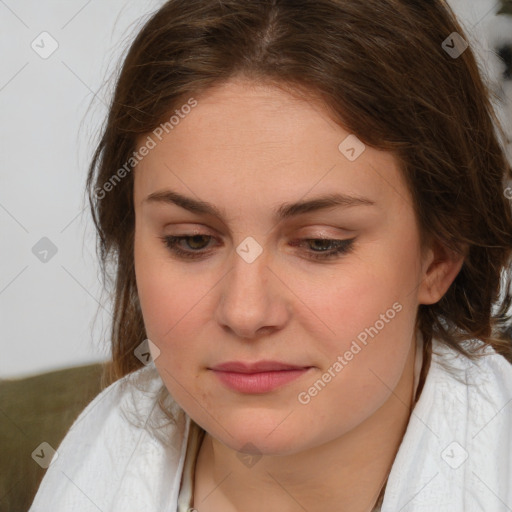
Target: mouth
(259,377)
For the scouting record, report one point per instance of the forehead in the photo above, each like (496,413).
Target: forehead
(244,141)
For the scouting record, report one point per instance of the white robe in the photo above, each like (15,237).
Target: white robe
(456,454)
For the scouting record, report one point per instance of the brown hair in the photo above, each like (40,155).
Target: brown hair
(380,68)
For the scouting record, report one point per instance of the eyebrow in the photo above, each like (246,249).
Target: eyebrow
(284,211)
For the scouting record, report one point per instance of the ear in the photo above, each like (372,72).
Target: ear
(440,268)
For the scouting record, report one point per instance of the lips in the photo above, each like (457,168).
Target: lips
(257,367)
(259,377)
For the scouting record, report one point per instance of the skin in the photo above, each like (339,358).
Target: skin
(248,148)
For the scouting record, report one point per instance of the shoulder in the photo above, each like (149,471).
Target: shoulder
(472,400)
(486,379)
(456,453)
(122,443)
(479,392)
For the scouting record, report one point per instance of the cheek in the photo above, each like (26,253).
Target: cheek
(168,312)
(161,301)
(173,310)
(355,297)
(361,366)
(161,289)
(169,308)
(370,312)
(370,330)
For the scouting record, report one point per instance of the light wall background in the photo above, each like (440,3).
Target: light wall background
(50,112)
(53,313)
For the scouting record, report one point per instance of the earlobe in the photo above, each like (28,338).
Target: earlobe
(442,267)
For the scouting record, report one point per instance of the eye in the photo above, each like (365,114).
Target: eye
(339,247)
(171,242)
(328,248)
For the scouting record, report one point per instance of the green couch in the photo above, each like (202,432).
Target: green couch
(34,410)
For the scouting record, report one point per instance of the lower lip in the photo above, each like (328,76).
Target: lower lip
(261,382)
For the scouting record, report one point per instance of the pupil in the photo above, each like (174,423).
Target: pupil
(196,239)
(324,242)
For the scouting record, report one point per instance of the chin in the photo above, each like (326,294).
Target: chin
(258,439)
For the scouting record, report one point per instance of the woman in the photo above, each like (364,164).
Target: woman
(305,206)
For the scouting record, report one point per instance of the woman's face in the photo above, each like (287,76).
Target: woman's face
(252,167)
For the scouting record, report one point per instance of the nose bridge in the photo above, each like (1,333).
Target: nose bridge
(249,299)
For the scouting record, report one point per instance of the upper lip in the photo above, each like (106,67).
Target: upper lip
(259,366)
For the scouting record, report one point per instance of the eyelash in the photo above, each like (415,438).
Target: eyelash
(343,247)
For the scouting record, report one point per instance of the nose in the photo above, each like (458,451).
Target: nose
(253,299)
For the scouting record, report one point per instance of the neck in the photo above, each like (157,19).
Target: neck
(306,481)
